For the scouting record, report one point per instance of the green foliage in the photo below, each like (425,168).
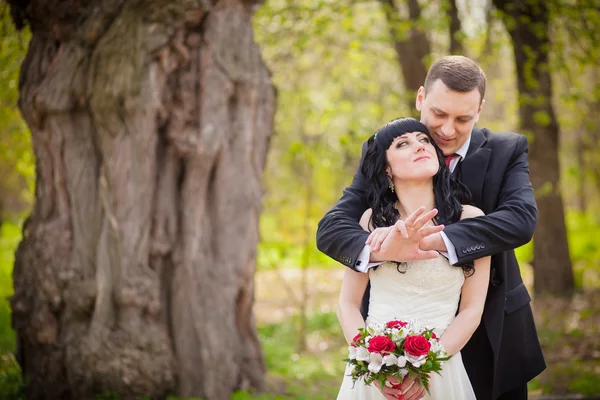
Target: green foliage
(585,380)
(17,177)
(11,382)
(10,373)
(576,78)
(336,86)
(315,374)
(17,167)
(10,236)
(584,248)
(583,230)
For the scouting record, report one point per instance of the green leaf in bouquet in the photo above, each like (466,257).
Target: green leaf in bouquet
(424,382)
(428,366)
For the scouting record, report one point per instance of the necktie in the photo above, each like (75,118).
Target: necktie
(448,159)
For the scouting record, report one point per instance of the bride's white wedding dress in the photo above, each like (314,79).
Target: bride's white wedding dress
(428,292)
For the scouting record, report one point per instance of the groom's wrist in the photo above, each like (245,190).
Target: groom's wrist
(433,242)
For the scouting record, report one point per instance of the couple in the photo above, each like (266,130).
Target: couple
(406,204)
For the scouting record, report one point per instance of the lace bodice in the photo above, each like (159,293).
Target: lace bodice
(428,292)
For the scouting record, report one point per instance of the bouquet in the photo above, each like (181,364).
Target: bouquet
(396,348)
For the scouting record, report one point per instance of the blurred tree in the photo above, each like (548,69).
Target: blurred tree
(576,72)
(455,30)
(528,24)
(411,32)
(335,87)
(150,123)
(412,45)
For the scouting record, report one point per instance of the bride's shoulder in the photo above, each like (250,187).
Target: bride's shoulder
(365,219)
(470,212)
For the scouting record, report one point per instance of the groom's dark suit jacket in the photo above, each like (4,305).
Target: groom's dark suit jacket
(504,352)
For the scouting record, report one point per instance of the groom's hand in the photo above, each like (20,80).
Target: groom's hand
(433,242)
(401,241)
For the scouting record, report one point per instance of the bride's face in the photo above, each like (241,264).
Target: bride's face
(412,157)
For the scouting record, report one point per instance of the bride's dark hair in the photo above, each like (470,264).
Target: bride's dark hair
(449,193)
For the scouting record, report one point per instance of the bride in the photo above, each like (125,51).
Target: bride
(407,175)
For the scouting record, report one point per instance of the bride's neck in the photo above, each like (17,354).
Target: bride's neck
(412,196)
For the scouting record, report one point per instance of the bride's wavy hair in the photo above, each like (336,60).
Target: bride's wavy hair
(449,193)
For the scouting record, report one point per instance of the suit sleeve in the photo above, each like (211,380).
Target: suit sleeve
(339,234)
(510,225)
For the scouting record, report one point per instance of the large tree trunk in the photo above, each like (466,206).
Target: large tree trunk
(150,123)
(527,23)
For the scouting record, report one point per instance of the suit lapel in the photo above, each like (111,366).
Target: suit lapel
(474,166)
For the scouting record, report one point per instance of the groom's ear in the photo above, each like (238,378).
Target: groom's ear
(420,98)
(479,110)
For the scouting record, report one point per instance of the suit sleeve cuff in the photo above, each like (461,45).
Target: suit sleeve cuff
(362,262)
(450,254)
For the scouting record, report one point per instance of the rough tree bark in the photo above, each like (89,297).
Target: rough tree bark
(527,23)
(150,123)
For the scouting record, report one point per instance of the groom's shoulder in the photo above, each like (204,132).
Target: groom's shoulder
(495,138)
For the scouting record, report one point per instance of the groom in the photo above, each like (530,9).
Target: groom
(504,352)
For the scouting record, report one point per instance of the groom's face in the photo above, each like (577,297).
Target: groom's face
(449,115)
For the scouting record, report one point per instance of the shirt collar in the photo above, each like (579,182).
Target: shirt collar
(462,151)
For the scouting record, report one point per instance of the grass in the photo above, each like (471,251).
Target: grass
(314,373)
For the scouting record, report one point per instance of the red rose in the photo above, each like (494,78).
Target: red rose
(396,324)
(434,336)
(417,345)
(379,344)
(355,340)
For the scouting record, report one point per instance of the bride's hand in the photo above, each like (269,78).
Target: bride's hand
(408,389)
(412,390)
(401,243)
(391,390)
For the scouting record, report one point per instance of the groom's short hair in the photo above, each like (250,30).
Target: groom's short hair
(458,73)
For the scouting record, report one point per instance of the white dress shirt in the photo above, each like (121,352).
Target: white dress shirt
(363,264)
